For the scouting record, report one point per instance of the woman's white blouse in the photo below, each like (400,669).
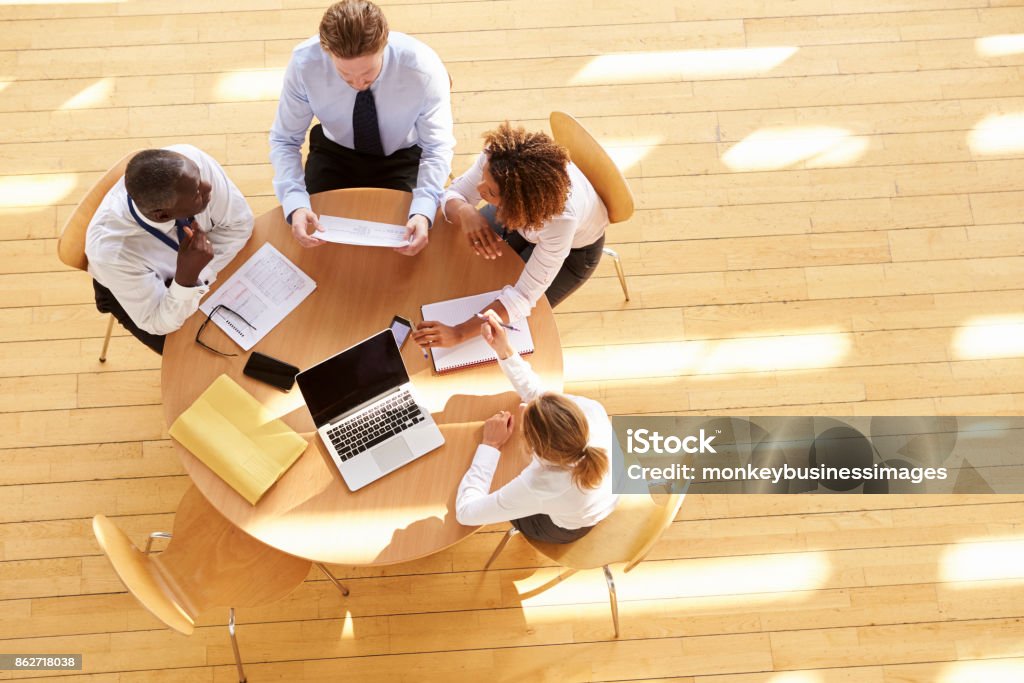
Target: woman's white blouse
(539,488)
(580,224)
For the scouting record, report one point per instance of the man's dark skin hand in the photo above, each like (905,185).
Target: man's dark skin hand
(194,253)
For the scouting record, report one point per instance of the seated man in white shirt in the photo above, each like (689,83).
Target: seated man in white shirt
(383,103)
(567,487)
(160,237)
(543,206)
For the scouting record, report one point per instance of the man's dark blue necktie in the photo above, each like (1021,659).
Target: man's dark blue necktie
(365,130)
(180,224)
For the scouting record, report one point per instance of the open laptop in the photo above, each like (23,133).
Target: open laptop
(366,411)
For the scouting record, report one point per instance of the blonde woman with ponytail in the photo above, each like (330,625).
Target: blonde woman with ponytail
(567,488)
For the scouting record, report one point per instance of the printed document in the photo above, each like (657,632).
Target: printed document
(263,291)
(362,233)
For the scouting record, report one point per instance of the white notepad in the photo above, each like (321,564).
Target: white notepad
(263,291)
(475,351)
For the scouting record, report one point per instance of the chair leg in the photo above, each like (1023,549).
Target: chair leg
(234,645)
(512,531)
(106,339)
(612,598)
(618,270)
(152,537)
(337,584)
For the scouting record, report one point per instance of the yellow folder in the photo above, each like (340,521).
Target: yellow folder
(238,438)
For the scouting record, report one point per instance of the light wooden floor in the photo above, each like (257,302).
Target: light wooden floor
(869,263)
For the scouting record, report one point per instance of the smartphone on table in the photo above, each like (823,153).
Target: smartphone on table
(401,328)
(272,371)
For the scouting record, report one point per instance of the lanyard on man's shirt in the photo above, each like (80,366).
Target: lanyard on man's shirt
(179,225)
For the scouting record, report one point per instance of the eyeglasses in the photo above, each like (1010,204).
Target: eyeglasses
(219,307)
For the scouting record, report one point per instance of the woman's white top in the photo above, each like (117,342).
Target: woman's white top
(580,224)
(540,488)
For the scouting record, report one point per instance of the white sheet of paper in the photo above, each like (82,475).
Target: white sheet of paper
(362,233)
(263,291)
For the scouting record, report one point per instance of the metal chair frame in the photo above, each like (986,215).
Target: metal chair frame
(636,554)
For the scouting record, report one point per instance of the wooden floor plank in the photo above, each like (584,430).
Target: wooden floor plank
(78,354)
(530,67)
(451,16)
(738,321)
(599,100)
(124,460)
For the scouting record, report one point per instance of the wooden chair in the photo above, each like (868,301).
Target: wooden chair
(71,245)
(601,171)
(451,86)
(209,563)
(626,535)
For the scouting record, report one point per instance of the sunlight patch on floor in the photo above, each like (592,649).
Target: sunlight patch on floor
(647,67)
(775,148)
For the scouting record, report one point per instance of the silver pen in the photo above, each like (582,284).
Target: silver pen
(505,325)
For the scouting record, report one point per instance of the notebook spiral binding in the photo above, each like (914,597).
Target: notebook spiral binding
(473,364)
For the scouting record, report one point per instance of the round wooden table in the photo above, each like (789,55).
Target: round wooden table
(409,513)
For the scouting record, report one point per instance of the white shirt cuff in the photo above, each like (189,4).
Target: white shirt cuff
(449,194)
(515,361)
(514,303)
(297,200)
(425,206)
(487,454)
(187,294)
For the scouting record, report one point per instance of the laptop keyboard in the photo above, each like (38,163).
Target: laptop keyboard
(378,424)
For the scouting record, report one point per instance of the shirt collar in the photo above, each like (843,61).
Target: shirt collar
(384,69)
(166,226)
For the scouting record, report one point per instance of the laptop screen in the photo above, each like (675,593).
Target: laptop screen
(354,376)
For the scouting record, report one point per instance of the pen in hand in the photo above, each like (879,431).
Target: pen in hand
(505,325)
(426,356)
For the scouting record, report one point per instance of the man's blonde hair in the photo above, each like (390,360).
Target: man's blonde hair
(353,28)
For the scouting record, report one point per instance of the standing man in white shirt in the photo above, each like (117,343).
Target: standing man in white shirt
(160,237)
(384,105)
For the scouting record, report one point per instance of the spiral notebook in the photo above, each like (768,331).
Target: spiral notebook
(475,351)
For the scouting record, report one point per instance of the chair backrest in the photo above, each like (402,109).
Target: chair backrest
(71,245)
(209,563)
(593,160)
(626,535)
(141,577)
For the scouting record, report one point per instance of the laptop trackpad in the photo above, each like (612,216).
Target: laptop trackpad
(392,455)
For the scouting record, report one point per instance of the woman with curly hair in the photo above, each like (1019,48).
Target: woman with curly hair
(538,202)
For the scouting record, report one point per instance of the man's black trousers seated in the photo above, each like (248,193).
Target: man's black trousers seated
(106,303)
